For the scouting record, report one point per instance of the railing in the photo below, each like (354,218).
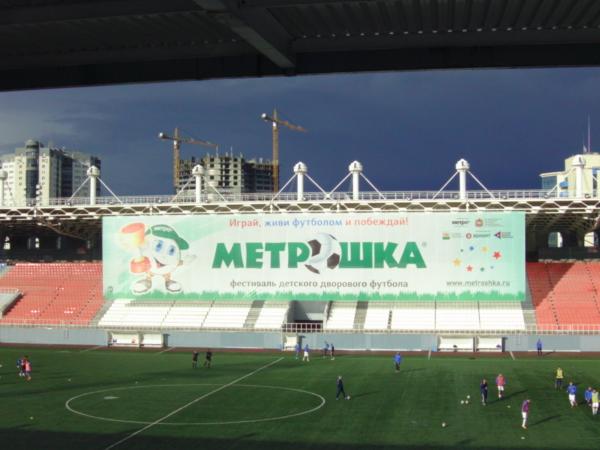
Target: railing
(189,198)
(571,329)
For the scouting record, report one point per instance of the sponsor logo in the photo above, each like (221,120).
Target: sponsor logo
(445,236)
(461,222)
(469,236)
(481,235)
(503,235)
(479,223)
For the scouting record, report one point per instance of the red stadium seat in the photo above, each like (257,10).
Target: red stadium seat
(55,293)
(565,295)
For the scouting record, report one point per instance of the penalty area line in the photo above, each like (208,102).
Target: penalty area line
(167,350)
(172,413)
(92,348)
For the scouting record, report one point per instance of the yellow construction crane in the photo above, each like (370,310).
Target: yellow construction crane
(276,121)
(177,141)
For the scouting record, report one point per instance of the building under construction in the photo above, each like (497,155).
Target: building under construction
(228,173)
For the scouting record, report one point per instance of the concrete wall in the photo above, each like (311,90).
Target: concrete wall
(224,339)
(53,336)
(274,340)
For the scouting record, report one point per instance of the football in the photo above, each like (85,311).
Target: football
(348,397)
(443,424)
(462,402)
(325,253)
(466,402)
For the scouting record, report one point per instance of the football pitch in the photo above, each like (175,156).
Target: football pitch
(101,399)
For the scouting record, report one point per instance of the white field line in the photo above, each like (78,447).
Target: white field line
(167,350)
(512,355)
(172,413)
(92,348)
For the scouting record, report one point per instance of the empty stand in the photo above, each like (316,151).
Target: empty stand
(54,293)
(341,316)
(272,315)
(413,316)
(565,295)
(457,316)
(186,314)
(227,315)
(501,316)
(378,316)
(135,314)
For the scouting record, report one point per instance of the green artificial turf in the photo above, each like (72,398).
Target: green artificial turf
(387,410)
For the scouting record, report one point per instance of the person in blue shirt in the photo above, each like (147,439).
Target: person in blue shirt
(572,391)
(20,367)
(340,389)
(397,361)
(298,348)
(483,388)
(539,347)
(306,356)
(326,349)
(588,396)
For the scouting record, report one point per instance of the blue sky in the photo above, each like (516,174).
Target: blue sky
(408,129)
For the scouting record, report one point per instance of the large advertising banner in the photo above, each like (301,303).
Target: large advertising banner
(378,256)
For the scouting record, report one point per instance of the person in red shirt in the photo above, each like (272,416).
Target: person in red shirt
(27,369)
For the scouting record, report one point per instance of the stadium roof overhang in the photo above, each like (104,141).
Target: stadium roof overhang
(57,43)
(543,215)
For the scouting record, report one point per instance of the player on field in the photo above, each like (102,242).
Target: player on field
(297,348)
(332,350)
(588,396)
(483,388)
(595,399)
(538,345)
(23,359)
(20,367)
(340,389)
(500,383)
(525,413)
(558,381)
(397,361)
(306,356)
(195,359)
(208,359)
(572,391)
(326,349)
(27,369)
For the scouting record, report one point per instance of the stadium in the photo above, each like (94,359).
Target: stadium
(460,273)
(304,318)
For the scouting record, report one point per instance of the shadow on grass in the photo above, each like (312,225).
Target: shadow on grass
(27,439)
(546,419)
(412,370)
(364,394)
(514,394)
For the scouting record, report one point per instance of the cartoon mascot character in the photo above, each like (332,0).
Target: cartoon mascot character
(160,249)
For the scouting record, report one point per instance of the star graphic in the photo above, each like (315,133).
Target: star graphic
(497,255)
(484,249)
(469,268)
(456,262)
